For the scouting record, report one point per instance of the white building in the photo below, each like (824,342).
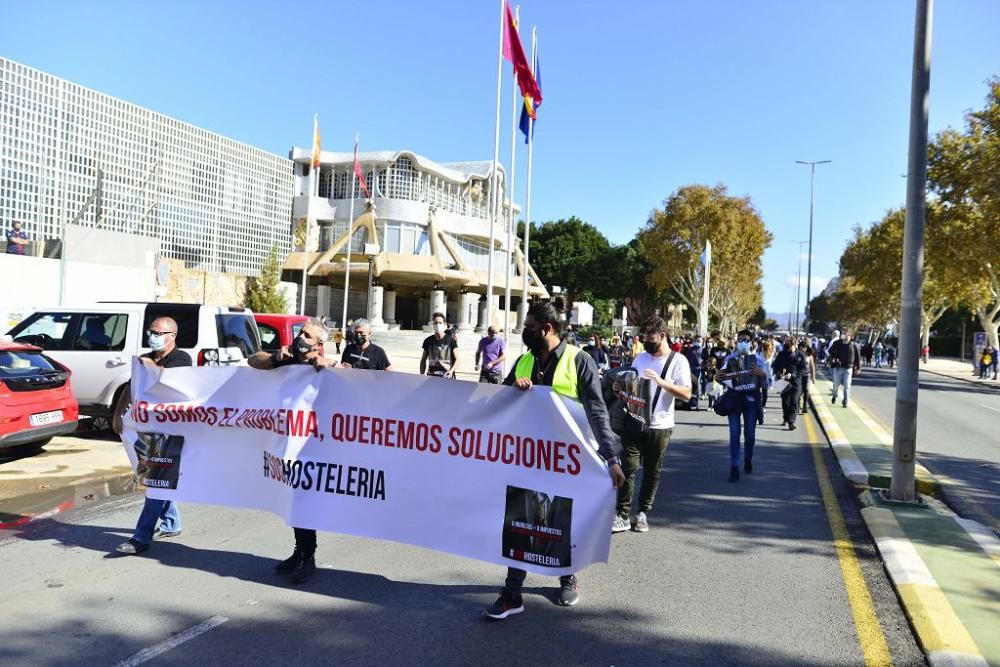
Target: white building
(71,157)
(431,223)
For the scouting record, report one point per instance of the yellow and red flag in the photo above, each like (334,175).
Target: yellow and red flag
(514,52)
(315,157)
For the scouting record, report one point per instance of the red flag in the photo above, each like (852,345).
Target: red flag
(514,52)
(357,172)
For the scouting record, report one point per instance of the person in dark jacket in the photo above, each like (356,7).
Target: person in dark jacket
(792,366)
(743,372)
(845,362)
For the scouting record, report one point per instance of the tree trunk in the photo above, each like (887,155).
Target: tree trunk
(989,320)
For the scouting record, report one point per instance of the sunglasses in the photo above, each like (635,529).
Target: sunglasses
(151,332)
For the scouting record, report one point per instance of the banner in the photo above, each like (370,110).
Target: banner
(488,472)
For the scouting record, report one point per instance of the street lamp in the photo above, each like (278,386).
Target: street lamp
(798,289)
(812,198)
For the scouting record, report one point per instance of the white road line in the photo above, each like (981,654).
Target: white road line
(989,407)
(147,654)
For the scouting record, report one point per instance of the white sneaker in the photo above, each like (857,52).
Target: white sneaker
(619,525)
(641,525)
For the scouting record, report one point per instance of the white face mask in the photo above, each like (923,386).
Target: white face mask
(439,327)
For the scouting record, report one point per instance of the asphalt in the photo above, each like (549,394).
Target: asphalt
(730,574)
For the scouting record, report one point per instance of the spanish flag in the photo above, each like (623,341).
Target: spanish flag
(315,160)
(530,110)
(514,52)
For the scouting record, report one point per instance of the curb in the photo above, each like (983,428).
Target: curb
(942,635)
(970,380)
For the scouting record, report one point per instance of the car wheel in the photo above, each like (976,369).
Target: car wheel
(101,424)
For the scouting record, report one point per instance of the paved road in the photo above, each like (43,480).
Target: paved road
(730,574)
(958,435)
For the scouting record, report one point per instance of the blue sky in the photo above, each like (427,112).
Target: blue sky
(640,97)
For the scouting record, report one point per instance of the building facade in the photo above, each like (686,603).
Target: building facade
(418,245)
(73,156)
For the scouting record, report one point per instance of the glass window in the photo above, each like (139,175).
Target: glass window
(46,330)
(101,332)
(392,238)
(238,331)
(21,363)
(269,338)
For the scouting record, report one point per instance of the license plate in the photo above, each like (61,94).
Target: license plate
(43,418)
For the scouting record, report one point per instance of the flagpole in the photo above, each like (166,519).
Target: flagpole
(314,168)
(350,239)
(527,196)
(510,188)
(704,299)
(495,177)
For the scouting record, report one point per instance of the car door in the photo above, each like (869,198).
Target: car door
(100,355)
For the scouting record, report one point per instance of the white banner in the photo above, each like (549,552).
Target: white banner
(489,472)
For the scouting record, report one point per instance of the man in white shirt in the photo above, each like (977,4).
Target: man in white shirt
(666,376)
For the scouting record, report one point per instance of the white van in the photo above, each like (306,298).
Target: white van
(98,342)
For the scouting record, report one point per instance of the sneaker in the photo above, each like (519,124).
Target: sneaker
(160,534)
(286,566)
(734,474)
(568,594)
(131,548)
(845,404)
(833,400)
(619,525)
(304,571)
(641,525)
(791,427)
(508,603)
(747,466)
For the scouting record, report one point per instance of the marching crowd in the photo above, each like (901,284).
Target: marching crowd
(629,388)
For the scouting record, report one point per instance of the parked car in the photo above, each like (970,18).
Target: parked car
(279,329)
(99,341)
(36,398)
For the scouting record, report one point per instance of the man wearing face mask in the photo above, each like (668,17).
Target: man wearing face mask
(307,348)
(162,339)
(845,362)
(744,372)
(492,351)
(440,357)
(551,362)
(668,377)
(363,353)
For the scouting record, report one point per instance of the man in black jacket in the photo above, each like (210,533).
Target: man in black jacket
(792,366)
(845,362)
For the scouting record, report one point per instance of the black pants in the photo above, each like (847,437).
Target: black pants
(515,579)
(804,383)
(305,541)
(489,378)
(790,403)
(647,449)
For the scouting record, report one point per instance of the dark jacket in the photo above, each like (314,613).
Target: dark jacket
(845,355)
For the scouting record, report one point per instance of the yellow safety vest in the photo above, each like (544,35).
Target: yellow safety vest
(565,380)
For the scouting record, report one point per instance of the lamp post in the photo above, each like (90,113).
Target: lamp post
(798,289)
(812,200)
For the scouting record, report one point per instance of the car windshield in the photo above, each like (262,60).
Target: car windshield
(238,331)
(21,363)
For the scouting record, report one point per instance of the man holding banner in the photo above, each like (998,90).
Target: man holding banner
(571,373)
(307,348)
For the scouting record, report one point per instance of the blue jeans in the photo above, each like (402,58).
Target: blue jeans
(695,387)
(748,410)
(164,511)
(842,376)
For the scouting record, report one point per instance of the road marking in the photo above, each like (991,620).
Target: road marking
(989,407)
(147,654)
(873,645)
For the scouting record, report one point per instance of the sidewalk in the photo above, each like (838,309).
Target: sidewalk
(946,570)
(957,370)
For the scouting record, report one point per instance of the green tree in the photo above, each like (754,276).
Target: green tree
(674,238)
(568,253)
(964,172)
(262,294)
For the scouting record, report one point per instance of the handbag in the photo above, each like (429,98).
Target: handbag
(636,427)
(726,403)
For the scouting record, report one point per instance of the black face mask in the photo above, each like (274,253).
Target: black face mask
(360,338)
(300,347)
(533,340)
(651,347)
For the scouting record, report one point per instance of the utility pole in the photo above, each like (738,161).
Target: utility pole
(904,436)
(812,201)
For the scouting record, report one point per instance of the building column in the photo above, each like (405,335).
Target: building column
(522,312)
(323,301)
(481,324)
(375,309)
(467,311)
(439,304)
(389,306)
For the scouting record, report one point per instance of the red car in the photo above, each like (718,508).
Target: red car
(36,400)
(277,330)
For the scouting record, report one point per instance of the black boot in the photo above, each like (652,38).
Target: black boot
(286,566)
